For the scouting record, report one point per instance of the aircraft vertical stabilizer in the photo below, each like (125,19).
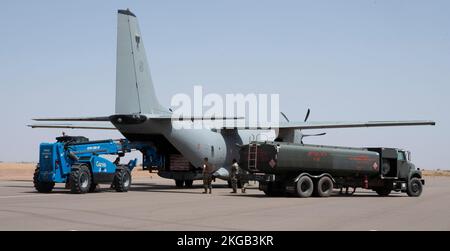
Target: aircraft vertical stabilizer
(134,88)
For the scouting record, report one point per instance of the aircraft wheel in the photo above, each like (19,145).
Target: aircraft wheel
(179,183)
(188,183)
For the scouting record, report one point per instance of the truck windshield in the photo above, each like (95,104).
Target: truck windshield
(401,156)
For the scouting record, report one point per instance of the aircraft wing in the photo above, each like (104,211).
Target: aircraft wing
(336,124)
(96,126)
(331,125)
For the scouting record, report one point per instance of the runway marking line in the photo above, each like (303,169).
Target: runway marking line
(28,196)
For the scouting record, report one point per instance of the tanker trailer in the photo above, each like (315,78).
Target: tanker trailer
(314,170)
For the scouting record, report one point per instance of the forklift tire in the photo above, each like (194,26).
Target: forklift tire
(188,183)
(324,187)
(42,187)
(414,188)
(305,187)
(80,180)
(122,180)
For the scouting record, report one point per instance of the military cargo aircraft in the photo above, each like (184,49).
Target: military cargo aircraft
(178,153)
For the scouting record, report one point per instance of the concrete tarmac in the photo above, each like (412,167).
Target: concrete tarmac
(155,204)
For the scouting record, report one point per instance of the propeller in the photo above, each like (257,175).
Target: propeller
(310,135)
(306,119)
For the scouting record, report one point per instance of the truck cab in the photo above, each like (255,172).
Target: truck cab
(398,172)
(396,164)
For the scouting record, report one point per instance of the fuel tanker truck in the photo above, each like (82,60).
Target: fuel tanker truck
(313,170)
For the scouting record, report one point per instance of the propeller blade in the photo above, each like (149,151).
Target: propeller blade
(313,135)
(285,117)
(307,114)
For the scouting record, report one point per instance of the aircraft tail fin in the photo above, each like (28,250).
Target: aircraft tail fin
(135,93)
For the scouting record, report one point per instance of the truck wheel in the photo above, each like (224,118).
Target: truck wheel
(42,187)
(80,180)
(188,183)
(384,191)
(414,188)
(324,187)
(122,180)
(305,187)
(179,183)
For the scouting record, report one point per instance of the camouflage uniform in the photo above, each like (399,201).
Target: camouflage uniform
(207,177)
(233,176)
(243,179)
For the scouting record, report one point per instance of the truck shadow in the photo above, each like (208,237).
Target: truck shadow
(149,187)
(334,195)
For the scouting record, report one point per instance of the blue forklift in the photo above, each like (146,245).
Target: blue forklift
(78,162)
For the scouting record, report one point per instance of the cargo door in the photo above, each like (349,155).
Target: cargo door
(178,163)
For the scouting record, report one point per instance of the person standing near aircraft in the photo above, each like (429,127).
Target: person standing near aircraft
(243,177)
(233,175)
(207,176)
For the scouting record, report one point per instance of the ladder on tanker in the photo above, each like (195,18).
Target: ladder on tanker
(252,157)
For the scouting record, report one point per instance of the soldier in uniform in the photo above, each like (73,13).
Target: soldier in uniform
(233,175)
(207,176)
(238,175)
(243,179)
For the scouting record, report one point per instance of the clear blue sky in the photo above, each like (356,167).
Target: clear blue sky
(346,60)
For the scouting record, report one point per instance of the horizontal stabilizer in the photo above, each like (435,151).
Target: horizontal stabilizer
(102,126)
(74,119)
